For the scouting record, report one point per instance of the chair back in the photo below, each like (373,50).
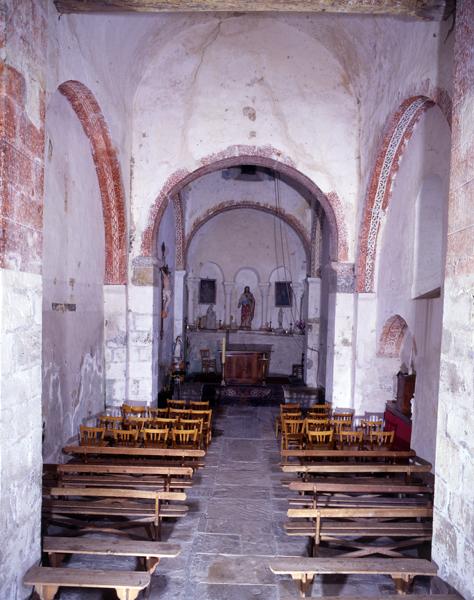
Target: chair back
(161,423)
(108,422)
(320,437)
(316,424)
(338,424)
(172,403)
(350,437)
(371,425)
(138,423)
(125,437)
(382,438)
(179,413)
(155,413)
(134,411)
(290,407)
(199,404)
(321,410)
(91,436)
(184,437)
(156,438)
(292,426)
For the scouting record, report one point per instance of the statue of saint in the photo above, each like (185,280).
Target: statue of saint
(210,318)
(247,306)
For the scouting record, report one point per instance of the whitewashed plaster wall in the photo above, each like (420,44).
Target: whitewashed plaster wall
(203,97)
(426,156)
(248,239)
(73,273)
(221,188)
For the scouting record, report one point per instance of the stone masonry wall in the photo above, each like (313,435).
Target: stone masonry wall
(23,56)
(453,542)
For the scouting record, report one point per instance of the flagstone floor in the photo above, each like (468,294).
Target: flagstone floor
(235,525)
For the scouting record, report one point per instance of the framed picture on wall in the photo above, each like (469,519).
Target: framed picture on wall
(283,293)
(207,291)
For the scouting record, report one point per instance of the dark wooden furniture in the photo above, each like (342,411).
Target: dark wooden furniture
(405,392)
(247,364)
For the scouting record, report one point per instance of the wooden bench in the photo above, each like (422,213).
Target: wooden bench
(151,552)
(415,465)
(124,476)
(339,526)
(401,570)
(353,493)
(47,581)
(374,455)
(125,508)
(173,456)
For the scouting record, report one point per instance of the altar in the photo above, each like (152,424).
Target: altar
(247,363)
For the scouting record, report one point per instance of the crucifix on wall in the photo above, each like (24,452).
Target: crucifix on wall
(165,289)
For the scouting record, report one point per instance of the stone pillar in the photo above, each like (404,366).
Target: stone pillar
(143,330)
(115,340)
(192,283)
(339,365)
(179,283)
(453,531)
(367,396)
(228,289)
(264,293)
(298,293)
(312,331)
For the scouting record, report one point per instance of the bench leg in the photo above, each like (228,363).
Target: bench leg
(126,593)
(402,584)
(304,584)
(47,592)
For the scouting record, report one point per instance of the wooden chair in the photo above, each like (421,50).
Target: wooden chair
(351,438)
(184,438)
(318,439)
(208,364)
(161,423)
(340,424)
(292,433)
(319,411)
(193,424)
(125,437)
(108,422)
(368,426)
(134,411)
(155,413)
(199,405)
(155,438)
(92,436)
(206,416)
(180,404)
(179,413)
(136,423)
(290,408)
(381,439)
(316,424)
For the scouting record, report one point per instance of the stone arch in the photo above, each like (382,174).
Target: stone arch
(392,336)
(109,177)
(395,139)
(227,206)
(266,156)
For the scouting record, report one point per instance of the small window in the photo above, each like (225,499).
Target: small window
(283,293)
(207,291)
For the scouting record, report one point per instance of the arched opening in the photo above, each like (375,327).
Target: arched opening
(245,222)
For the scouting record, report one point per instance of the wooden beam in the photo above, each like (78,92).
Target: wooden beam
(431,10)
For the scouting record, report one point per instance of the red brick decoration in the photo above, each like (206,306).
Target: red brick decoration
(108,174)
(393,333)
(179,224)
(264,156)
(399,131)
(21,176)
(226,206)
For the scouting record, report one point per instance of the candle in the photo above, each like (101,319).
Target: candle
(223,350)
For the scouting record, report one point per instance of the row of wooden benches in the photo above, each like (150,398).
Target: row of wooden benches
(111,497)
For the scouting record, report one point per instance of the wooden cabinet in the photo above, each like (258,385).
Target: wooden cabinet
(246,366)
(405,392)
